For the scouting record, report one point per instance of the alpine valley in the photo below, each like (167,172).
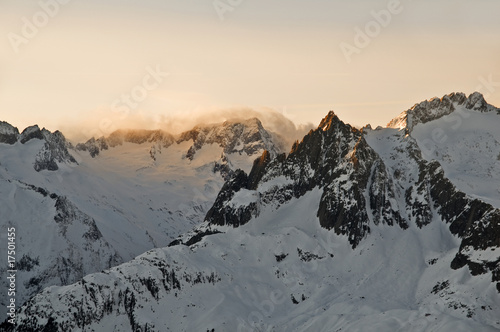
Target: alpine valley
(225,228)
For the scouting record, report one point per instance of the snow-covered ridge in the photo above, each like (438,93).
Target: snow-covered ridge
(95,145)
(8,133)
(53,152)
(462,135)
(436,108)
(234,136)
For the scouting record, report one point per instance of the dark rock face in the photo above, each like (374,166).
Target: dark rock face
(258,169)
(476,102)
(8,133)
(223,167)
(475,222)
(93,146)
(54,150)
(197,237)
(30,133)
(219,214)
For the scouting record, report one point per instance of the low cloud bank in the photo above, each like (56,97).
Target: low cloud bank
(103,122)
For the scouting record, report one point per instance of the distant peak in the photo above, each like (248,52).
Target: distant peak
(120,136)
(254,121)
(30,133)
(250,122)
(8,133)
(7,128)
(31,129)
(435,108)
(476,102)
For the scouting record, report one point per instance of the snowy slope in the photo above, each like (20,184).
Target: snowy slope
(135,195)
(462,135)
(353,230)
(281,272)
(468,149)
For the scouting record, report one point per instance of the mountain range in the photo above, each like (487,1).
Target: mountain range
(85,208)
(392,228)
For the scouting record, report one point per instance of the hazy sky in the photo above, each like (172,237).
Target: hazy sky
(84,64)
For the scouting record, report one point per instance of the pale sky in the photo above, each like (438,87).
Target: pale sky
(71,67)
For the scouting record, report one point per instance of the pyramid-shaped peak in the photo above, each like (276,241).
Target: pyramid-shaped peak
(328,121)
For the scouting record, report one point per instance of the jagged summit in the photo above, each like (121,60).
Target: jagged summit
(327,122)
(8,133)
(137,136)
(233,136)
(54,149)
(326,158)
(435,108)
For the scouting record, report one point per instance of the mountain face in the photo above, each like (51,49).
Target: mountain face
(84,209)
(436,108)
(396,228)
(53,151)
(235,138)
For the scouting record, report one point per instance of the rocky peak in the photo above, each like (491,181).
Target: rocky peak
(30,133)
(334,157)
(476,102)
(234,136)
(8,133)
(329,121)
(54,150)
(436,108)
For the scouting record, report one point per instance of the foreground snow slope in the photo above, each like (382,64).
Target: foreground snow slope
(280,272)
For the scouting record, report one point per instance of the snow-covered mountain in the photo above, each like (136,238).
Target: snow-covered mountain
(375,229)
(85,208)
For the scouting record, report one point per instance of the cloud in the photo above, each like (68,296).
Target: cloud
(103,121)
